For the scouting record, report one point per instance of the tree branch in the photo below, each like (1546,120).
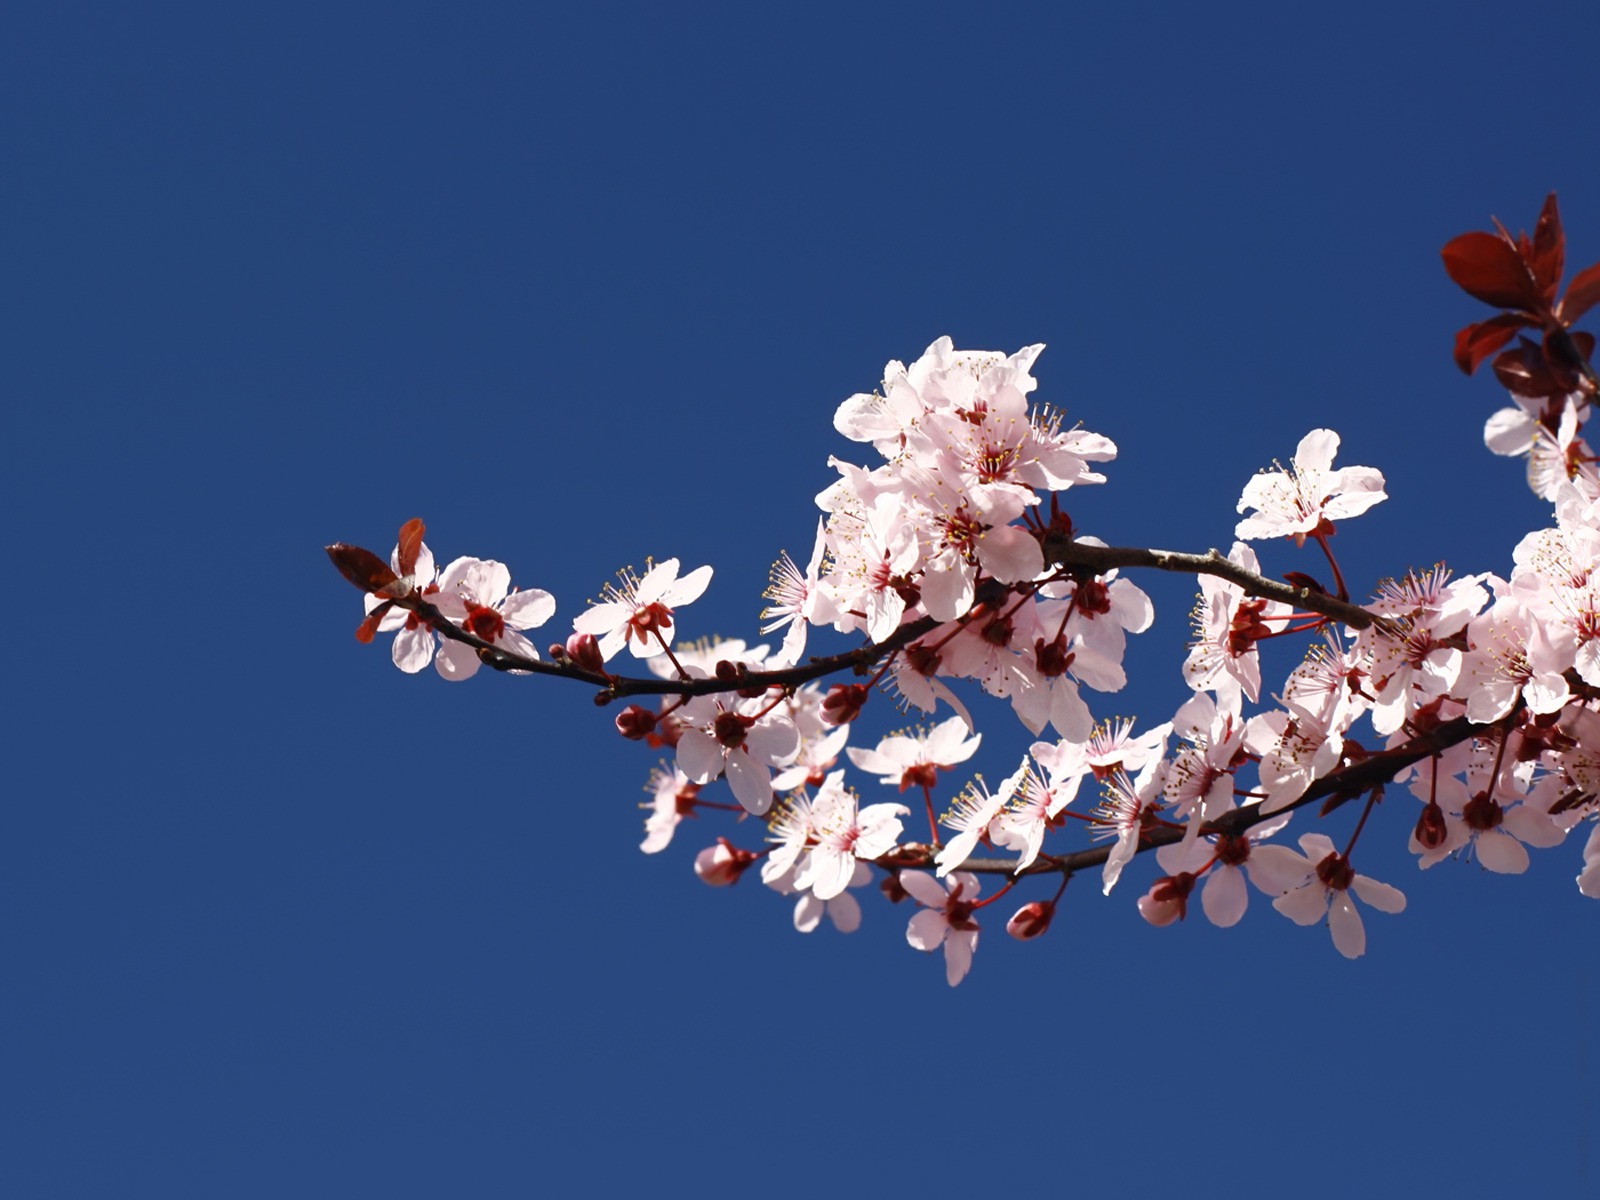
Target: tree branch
(1060,552)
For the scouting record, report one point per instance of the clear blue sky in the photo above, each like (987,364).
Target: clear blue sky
(583,286)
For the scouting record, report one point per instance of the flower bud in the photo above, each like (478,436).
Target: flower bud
(583,651)
(1031,920)
(843,703)
(636,723)
(1168,900)
(1431,830)
(722,864)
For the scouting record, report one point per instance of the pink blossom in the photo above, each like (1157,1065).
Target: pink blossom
(1324,892)
(945,919)
(638,612)
(915,758)
(743,739)
(672,799)
(476,594)
(414,640)
(1310,495)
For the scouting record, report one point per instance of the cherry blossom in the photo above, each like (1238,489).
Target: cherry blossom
(744,739)
(951,558)
(1310,495)
(798,600)
(414,639)
(914,758)
(1324,891)
(972,814)
(945,919)
(638,612)
(1227,626)
(845,836)
(672,799)
(476,594)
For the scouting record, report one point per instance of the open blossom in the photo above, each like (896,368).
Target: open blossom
(739,738)
(476,594)
(945,919)
(1471,810)
(915,758)
(1226,862)
(1414,653)
(413,639)
(1127,809)
(1035,806)
(1310,495)
(843,909)
(1324,891)
(972,814)
(798,600)
(638,612)
(843,837)
(672,797)
(1227,626)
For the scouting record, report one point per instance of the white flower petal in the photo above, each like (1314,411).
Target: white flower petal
(1344,922)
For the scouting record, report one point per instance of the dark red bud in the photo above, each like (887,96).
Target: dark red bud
(1431,829)
(844,702)
(1031,920)
(636,723)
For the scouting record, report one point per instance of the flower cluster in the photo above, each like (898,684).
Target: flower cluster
(952,556)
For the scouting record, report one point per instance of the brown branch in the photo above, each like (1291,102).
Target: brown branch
(1060,552)
(1105,558)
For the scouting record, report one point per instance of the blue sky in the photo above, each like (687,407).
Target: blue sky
(582,286)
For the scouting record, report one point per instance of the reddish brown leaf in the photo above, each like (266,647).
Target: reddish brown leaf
(1547,255)
(361,567)
(1523,370)
(410,540)
(1565,358)
(1582,295)
(369,627)
(1488,269)
(1477,342)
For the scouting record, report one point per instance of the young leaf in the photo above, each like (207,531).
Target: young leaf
(410,541)
(1487,268)
(361,567)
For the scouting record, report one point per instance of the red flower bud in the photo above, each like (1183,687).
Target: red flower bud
(1031,920)
(583,652)
(636,723)
(843,703)
(1431,830)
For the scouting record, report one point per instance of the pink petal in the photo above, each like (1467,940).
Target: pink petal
(1225,897)
(1344,922)
(923,889)
(926,930)
(958,948)
(1380,895)
(528,609)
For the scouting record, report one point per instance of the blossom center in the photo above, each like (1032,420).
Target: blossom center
(483,622)
(650,618)
(1482,813)
(1335,872)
